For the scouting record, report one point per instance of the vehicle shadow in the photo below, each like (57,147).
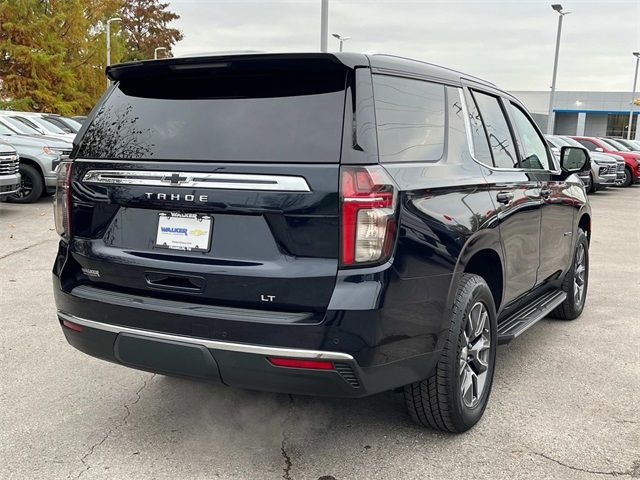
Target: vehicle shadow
(200,414)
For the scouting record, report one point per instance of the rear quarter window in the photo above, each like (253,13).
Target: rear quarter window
(410,117)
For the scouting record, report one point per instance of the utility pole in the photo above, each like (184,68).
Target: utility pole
(633,95)
(324,25)
(551,118)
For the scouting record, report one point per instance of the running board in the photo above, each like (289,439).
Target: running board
(519,322)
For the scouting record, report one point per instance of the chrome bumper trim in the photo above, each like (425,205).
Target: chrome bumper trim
(213,344)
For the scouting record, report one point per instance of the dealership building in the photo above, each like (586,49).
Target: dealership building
(593,114)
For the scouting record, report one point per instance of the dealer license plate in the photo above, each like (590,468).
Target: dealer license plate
(184,231)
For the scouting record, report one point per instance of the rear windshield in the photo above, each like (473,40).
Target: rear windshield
(257,117)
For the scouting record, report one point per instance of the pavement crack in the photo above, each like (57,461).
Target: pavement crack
(26,248)
(633,472)
(285,438)
(123,421)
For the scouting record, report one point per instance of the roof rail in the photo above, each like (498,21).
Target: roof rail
(458,72)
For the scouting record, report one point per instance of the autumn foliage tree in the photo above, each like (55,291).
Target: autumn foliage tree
(53,54)
(145,24)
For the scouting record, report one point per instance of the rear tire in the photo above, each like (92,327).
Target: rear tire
(454,398)
(31,186)
(576,282)
(628,177)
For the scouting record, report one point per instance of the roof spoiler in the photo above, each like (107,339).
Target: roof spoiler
(211,64)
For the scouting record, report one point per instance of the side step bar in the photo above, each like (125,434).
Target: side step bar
(519,322)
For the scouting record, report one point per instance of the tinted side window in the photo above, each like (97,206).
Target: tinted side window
(481,150)
(410,119)
(587,144)
(532,149)
(500,140)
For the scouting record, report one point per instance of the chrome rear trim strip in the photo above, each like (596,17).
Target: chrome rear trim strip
(213,344)
(226,181)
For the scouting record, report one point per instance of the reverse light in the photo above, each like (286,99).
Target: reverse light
(367,198)
(62,199)
(295,363)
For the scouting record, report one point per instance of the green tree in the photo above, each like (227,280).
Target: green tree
(145,23)
(52,53)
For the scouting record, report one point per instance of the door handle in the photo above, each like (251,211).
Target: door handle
(504,197)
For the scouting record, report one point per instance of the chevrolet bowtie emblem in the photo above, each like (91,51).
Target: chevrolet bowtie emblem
(175,179)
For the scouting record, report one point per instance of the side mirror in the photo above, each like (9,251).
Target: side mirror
(599,149)
(574,159)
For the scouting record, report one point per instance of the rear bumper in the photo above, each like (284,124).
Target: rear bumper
(240,365)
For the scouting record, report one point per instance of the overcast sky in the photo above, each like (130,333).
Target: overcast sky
(509,42)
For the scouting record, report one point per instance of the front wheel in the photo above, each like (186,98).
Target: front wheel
(628,177)
(576,282)
(454,398)
(31,186)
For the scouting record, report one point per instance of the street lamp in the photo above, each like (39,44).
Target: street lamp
(156,50)
(633,95)
(114,19)
(341,38)
(550,121)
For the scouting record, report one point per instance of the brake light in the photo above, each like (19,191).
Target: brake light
(367,215)
(62,199)
(294,363)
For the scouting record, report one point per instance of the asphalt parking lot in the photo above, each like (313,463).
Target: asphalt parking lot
(564,401)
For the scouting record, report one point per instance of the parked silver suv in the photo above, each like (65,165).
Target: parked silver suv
(603,166)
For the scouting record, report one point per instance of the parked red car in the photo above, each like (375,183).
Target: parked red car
(631,159)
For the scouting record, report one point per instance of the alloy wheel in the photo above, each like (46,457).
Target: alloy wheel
(580,275)
(473,362)
(26,187)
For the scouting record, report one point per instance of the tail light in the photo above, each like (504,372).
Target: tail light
(62,199)
(368,218)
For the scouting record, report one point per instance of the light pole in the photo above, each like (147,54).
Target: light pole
(114,19)
(156,50)
(550,121)
(341,38)
(633,95)
(324,25)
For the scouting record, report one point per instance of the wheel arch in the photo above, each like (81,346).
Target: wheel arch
(584,223)
(26,160)
(479,256)
(483,263)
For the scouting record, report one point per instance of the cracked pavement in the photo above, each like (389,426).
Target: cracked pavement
(563,406)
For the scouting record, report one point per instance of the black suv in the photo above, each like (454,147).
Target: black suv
(322,224)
